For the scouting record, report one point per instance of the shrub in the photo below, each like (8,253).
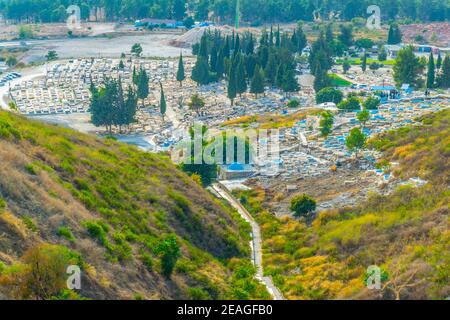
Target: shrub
(66,233)
(302,205)
(30,224)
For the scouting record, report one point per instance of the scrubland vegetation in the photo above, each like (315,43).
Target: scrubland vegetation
(135,224)
(405,233)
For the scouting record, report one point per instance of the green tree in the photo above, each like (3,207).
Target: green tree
(364,63)
(329,95)
(162,102)
(431,74)
(143,85)
(196,103)
(407,68)
(271,69)
(371,103)
(121,65)
(136,49)
(346,35)
(51,55)
(231,88)
(200,72)
(346,66)
(257,83)
(241,81)
(444,80)
(302,205)
(363,116)
(169,252)
(356,141)
(382,54)
(350,104)
(180,72)
(11,61)
(326,123)
(394,35)
(439,62)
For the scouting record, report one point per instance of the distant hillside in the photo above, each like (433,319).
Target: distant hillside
(406,233)
(117,212)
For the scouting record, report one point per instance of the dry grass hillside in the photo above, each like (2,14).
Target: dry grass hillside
(119,213)
(405,233)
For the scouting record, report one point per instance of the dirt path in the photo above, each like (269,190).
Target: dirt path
(256,243)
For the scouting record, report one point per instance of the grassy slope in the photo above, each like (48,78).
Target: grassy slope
(53,178)
(406,233)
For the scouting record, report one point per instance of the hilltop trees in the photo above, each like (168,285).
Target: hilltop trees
(371,103)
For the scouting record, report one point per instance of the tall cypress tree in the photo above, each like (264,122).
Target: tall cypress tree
(162,102)
(271,69)
(364,63)
(180,73)
(445,77)
(241,81)
(289,82)
(231,88)
(431,75)
(143,85)
(439,62)
(200,72)
(213,59)
(257,84)
(220,64)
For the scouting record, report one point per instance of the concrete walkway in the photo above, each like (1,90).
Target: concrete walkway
(256,243)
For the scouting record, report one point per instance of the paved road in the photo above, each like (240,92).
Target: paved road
(256,243)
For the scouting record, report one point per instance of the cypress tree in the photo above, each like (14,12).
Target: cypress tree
(289,81)
(271,69)
(203,52)
(439,62)
(364,63)
(143,82)
(231,90)
(220,64)
(431,72)
(162,103)
(257,83)
(200,72)
(445,78)
(213,59)
(180,73)
(241,81)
